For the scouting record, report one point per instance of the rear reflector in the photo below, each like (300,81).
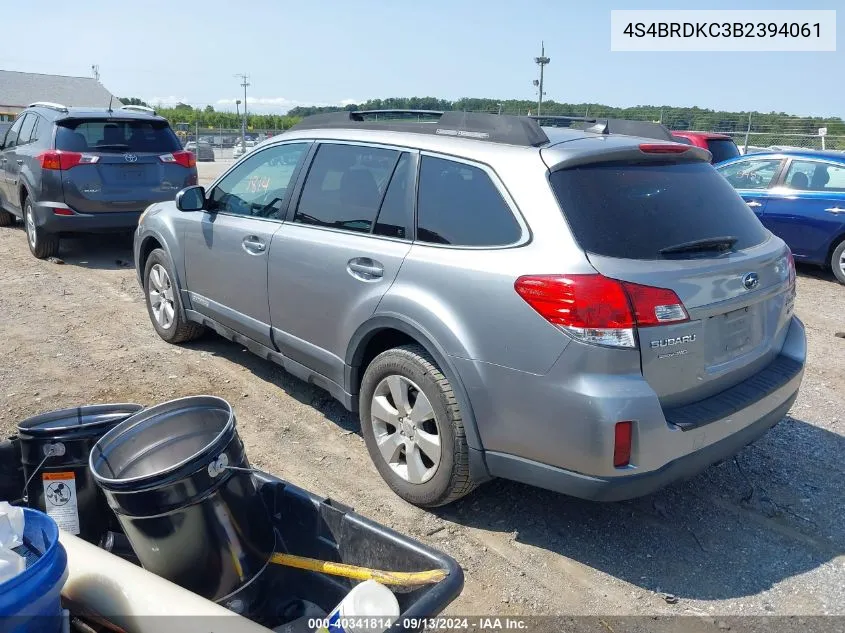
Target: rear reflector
(600,310)
(622,444)
(186,159)
(663,148)
(62,212)
(59,159)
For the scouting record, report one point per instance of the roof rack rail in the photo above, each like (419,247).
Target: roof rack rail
(48,104)
(138,108)
(646,129)
(399,111)
(494,128)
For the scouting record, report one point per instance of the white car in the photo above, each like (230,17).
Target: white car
(238,151)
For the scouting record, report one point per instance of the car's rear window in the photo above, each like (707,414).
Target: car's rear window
(634,211)
(114,135)
(722,149)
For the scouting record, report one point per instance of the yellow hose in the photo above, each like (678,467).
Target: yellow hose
(395,578)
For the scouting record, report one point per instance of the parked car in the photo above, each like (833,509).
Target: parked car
(721,146)
(205,152)
(80,170)
(800,197)
(238,150)
(494,299)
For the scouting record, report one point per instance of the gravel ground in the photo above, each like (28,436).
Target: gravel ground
(760,535)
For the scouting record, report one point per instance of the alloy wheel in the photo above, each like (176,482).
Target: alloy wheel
(160,292)
(406,429)
(31,233)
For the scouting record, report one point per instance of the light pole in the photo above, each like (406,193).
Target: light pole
(500,108)
(541,61)
(244,77)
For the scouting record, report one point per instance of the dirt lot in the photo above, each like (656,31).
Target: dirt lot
(763,534)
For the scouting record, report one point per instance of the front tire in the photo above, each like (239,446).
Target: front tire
(164,304)
(837,262)
(41,243)
(413,428)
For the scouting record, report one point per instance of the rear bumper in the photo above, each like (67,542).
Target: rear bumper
(556,431)
(634,485)
(84,222)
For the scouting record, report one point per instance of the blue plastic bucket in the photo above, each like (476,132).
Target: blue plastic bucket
(31,601)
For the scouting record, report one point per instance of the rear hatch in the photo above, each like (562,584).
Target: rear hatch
(115,164)
(665,222)
(722,149)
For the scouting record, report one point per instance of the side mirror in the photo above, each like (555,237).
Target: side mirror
(191,199)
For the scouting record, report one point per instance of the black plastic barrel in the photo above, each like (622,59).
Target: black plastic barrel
(189,517)
(55,448)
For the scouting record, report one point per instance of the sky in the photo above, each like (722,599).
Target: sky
(328,52)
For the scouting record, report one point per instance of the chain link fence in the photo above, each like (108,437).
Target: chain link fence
(757,136)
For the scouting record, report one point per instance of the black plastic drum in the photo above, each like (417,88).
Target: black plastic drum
(189,517)
(55,447)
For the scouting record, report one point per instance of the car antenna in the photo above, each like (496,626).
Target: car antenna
(110,100)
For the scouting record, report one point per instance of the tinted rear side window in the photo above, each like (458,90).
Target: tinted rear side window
(110,135)
(722,149)
(634,211)
(458,204)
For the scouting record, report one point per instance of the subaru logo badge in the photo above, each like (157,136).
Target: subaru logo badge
(750,281)
(130,158)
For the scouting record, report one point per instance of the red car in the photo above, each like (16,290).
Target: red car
(722,147)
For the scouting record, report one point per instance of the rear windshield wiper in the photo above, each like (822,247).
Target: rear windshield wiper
(707,244)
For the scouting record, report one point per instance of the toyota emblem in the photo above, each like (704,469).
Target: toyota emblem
(130,158)
(750,281)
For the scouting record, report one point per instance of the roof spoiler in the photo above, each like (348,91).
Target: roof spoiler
(494,128)
(644,129)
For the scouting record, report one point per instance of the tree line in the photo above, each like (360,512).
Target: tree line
(676,118)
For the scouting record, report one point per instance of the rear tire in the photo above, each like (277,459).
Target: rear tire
(837,262)
(421,452)
(41,243)
(164,302)
(6,218)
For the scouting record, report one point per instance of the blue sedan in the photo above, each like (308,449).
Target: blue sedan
(800,197)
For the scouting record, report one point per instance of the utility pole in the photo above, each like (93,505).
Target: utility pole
(244,83)
(541,61)
(95,70)
(747,134)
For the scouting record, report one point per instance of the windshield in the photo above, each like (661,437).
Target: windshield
(635,211)
(114,135)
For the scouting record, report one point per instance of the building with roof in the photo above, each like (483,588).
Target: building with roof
(18,90)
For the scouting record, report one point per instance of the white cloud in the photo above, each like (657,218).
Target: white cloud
(165,101)
(346,102)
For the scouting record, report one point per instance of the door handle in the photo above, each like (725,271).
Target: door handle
(365,269)
(254,245)
(753,204)
(835,210)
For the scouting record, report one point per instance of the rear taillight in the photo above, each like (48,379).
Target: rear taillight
(790,264)
(600,310)
(663,148)
(60,159)
(184,158)
(655,306)
(623,434)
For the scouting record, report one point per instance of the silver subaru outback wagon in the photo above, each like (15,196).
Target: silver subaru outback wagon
(594,311)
